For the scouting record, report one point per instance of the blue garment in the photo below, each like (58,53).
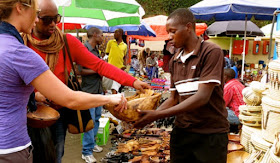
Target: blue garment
(228,62)
(232,118)
(59,130)
(236,71)
(19,66)
(152,72)
(89,137)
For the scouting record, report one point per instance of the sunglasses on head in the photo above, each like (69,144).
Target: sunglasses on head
(28,5)
(49,19)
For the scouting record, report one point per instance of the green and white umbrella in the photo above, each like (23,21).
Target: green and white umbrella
(101,13)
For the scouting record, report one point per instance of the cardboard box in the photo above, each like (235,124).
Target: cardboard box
(103,131)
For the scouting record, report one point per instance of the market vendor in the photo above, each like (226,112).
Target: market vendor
(152,66)
(201,126)
(233,96)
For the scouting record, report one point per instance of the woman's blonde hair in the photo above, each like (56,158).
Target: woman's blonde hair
(6,6)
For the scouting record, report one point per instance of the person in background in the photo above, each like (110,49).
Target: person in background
(135,64)
(142,57)
(22,70)
(201,127)
(239,66)
(92,83)
(104,56)
(116,50)
(228,62)
(47,41)
(160,60)
(233,96)
(168,51)
(152,66)
(235,69)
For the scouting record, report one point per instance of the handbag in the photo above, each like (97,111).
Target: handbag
(78,121)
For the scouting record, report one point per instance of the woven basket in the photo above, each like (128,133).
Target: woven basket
(267,158)
(250,97)
(254,121)
(273,77)
(257,87)
(246,136)
(255,157)
(274,94)
(259,143)
(270,118)
(274,159)
(250,110)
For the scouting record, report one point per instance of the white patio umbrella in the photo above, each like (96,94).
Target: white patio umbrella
(222,10)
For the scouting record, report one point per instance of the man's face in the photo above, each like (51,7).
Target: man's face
(48,17)
(153,55)
(178,33)
(117,34)
(99,38)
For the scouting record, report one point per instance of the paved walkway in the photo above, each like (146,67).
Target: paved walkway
(73,149)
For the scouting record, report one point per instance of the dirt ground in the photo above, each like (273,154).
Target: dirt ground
(73,149)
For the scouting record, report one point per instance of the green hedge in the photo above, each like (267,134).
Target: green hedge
(164,7)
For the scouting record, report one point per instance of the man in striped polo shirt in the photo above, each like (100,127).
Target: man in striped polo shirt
(201,126)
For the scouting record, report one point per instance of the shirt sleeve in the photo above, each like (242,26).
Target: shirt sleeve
(125,51)
(29,65)
(83,57)
(212,68)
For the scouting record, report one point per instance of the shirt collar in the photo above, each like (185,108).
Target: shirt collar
(196,50)
(90,48)
(231,80)
(117,42)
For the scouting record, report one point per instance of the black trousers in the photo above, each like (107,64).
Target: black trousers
(188,147)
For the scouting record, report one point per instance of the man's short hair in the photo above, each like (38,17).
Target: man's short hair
(225,52)
(93,30)
(230,73)
(120,30)
(183,16)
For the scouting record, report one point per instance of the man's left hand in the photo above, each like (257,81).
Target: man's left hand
(141,85)
(147,117)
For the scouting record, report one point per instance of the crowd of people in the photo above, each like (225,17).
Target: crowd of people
(40,64)
(204,96)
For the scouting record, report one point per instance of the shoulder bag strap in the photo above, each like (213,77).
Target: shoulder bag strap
(69,55)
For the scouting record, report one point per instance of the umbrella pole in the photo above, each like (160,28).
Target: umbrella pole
(244,48)
(63,10)
(271,33)
(230,47)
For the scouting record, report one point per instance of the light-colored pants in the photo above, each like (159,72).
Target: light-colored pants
(142,69)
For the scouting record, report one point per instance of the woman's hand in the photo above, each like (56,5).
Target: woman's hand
(119,100)
(141,85)
(40,98)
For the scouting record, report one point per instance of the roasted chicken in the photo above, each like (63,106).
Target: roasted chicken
(142,101)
